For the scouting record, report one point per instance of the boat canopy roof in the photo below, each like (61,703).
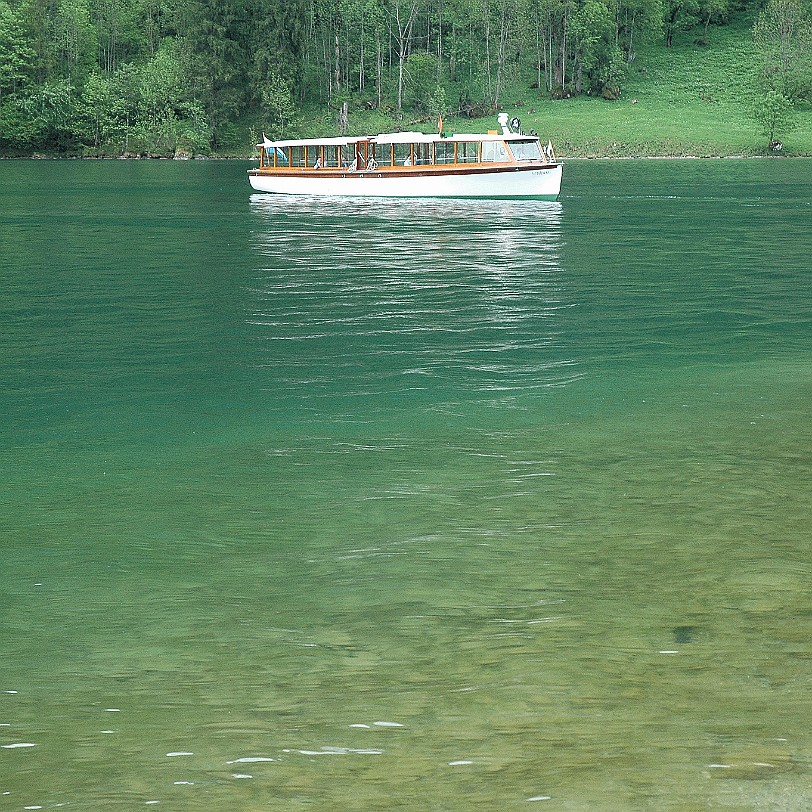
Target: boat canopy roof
(396,138)
(434,138)
(311,142)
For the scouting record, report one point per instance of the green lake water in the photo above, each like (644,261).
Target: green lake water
(369,505)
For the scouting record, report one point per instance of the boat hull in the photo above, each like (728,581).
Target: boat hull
(537,181)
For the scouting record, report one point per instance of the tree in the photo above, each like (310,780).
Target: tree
(597,58)
(508,13)
(213,33)
(403,15)
(98,108)
(74,40)
(277,102)
(773,111)
(421,79)
(16,54)
(679,16)
(116,31)
(711,11)
(51,110)
(276,42)
(125,88)
(16,67)
(783,36)
(464,49)
(637,21)
(157,20)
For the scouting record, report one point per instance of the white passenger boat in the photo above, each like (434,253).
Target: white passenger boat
(506,164)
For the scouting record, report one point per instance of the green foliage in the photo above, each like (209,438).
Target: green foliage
(99,109)
(74,40)
(52,108)
(422,71)
(774,112)
(438,103)
(638,22)
(709,11)
(277,103)
(16,54)
(680,15)
(109,77)
(598,60)
(783,36)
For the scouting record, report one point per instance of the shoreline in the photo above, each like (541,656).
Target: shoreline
(764,156)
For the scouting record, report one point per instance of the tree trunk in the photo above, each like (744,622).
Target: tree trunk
(452,60)
(361,59)
(379,67)
(500,65)
(403,36)
(337,74)
(630,52)
(344,118)
(486,10)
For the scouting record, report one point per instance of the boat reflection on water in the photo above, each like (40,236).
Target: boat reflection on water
(493,238)
(435,209)
(511,233)
(377,287)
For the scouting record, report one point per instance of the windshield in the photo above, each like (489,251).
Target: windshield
(525,150)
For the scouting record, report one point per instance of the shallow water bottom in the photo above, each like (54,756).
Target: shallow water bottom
(609,611)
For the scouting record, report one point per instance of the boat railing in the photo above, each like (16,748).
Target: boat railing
(357,155)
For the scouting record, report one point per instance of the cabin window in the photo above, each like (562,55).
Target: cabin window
(467,152)
(383,154)
(298,156)
(525,150)
(444,152)
(333,156)
(423,153)
(493,151)
(403,154)
(316,156)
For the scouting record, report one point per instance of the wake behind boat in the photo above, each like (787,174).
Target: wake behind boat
(509,164)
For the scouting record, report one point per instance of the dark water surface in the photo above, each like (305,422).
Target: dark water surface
(406,505)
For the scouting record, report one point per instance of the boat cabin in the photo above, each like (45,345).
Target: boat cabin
(407,149)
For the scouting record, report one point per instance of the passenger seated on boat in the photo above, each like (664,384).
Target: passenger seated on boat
(318,163)
(372,165)
(408,161)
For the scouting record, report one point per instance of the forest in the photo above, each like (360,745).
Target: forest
(195,77)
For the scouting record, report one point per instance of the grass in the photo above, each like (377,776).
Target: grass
(681,101)
(687,100)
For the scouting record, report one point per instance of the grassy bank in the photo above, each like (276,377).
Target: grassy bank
(688,100)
